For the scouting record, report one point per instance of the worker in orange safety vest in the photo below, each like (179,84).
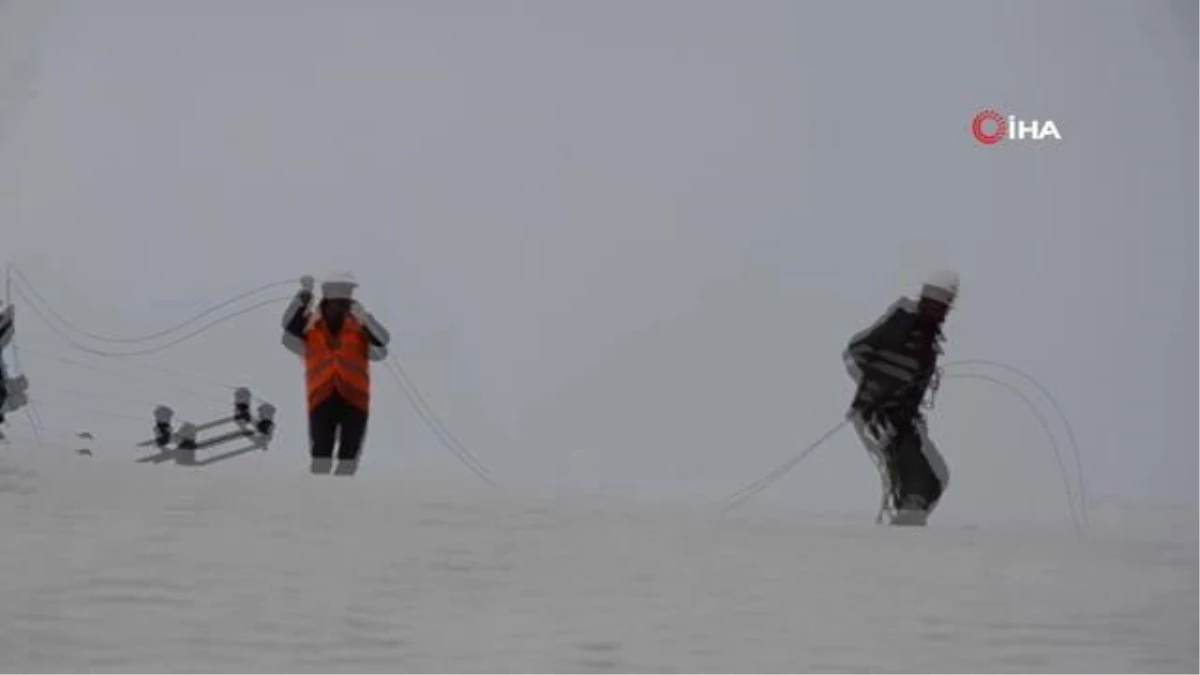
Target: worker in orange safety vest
(337,342)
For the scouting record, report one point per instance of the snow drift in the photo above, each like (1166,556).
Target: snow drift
(110,566)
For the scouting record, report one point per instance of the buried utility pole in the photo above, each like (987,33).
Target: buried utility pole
(187,442)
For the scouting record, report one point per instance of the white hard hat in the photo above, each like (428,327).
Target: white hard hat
(339,284)
(941,285)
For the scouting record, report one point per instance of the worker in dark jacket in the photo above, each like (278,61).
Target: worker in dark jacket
(7,329)
(894,362)
(337,342)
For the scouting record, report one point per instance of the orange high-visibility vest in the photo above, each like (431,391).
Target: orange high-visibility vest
(337,363)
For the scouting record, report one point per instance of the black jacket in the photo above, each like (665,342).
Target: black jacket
(893,361)
(7,330)
(6,327)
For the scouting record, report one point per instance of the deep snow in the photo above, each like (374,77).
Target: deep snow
(106,565)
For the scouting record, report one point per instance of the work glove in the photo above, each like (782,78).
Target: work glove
(306,288)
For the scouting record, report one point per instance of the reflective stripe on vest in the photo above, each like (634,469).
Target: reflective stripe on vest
(337,364)
(902,362)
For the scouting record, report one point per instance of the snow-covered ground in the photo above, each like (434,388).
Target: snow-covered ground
(106,565)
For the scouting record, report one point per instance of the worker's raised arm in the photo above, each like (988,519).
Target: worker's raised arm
(377,335)
(296,316)
(7,326)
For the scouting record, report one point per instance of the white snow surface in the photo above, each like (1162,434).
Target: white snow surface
(107,565)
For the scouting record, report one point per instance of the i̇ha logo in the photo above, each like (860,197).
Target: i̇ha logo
(990,127)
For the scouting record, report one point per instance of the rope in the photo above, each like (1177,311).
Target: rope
(444,437)
(13,270)
(1062,467)
(751,489)
(406,384)
(1083,501)
(421,405)
(755,487)
(149,350)
(24,281)
(188,336)
(433,416)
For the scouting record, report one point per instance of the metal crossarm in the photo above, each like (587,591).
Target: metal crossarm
(187,437)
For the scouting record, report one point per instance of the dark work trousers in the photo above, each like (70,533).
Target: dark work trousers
(334,421)
(912,473)
(912,464)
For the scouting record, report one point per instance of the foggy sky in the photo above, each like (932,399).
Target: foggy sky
(621,245)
